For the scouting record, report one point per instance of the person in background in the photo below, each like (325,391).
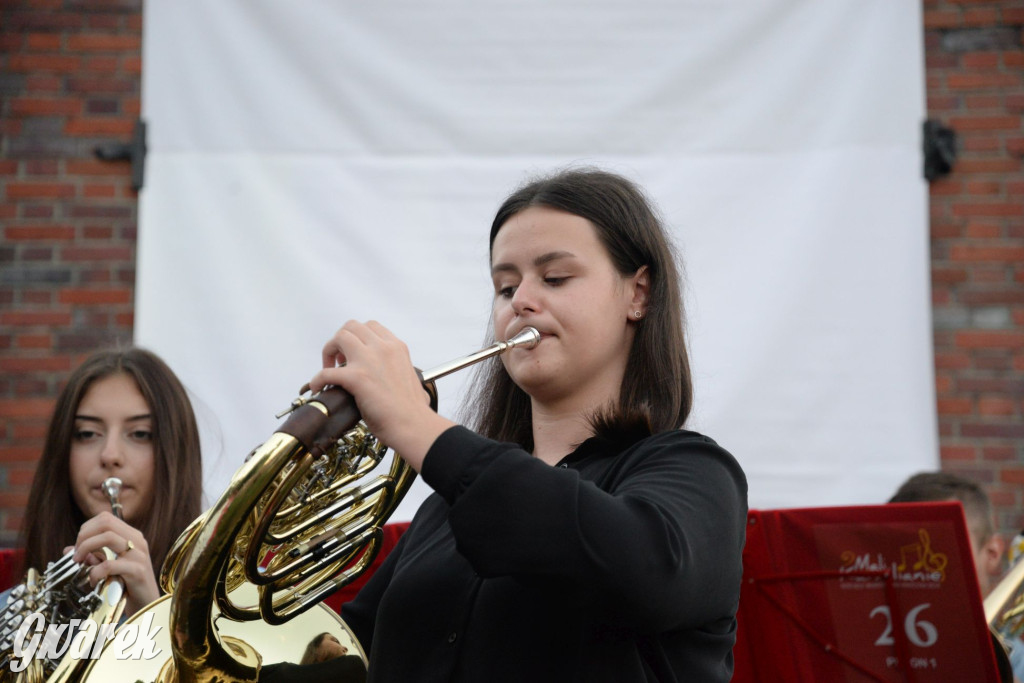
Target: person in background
(988,545)
(125,414)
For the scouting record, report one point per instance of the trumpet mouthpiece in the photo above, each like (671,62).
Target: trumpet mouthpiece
(112,487)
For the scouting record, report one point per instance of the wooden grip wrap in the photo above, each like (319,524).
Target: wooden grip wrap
(317,431)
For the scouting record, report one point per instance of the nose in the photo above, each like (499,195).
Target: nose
(112,454)
(525,299)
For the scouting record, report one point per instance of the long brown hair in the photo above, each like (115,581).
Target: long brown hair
(657,389)
(52,518)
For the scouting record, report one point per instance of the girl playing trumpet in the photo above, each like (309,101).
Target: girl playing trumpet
(122,414)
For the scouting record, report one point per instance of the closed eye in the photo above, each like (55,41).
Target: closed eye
(556,281)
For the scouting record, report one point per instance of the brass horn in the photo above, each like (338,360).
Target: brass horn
(58,596)
(1004,612)
(296,523)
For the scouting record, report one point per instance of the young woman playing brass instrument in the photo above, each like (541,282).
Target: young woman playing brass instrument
(579,534)
(121,414)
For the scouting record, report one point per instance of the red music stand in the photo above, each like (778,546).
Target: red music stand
(856,594)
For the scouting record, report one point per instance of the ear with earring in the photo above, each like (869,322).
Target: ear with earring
(640,291)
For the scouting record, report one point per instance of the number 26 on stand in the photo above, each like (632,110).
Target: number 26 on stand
(919,632)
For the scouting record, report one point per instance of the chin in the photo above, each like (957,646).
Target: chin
(536,383)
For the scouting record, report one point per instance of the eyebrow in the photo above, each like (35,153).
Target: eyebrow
(539,261)
(90,418)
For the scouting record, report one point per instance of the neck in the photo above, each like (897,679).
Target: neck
(558,430)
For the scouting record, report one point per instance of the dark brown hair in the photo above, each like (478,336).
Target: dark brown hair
(657,389)
(52,518)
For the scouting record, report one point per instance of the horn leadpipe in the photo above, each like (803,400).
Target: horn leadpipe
(527,338)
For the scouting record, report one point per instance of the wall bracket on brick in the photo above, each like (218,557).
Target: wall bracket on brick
(134,151)
(939,149)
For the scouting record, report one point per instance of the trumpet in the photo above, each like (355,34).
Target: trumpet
(57,596)
(300,519)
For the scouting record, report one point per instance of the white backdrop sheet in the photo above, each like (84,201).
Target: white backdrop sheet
(316,161)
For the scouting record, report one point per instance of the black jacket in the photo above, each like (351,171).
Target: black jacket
(623,563)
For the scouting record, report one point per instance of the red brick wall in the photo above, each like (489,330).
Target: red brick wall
(69,79)
(975,83)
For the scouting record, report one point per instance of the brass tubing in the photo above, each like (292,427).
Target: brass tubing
(256,498)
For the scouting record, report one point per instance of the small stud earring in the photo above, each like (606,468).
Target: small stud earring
(638,314)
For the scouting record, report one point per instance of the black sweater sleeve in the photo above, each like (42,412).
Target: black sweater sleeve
(651,536)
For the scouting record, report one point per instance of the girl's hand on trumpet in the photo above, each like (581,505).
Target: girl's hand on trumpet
(371,363)
(132,564)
